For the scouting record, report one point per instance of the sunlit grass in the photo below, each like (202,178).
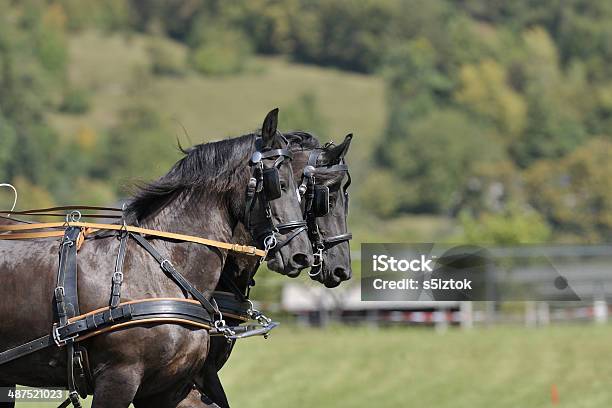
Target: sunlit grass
(364,367)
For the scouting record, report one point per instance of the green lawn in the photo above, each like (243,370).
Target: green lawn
(361,367)
(499,367)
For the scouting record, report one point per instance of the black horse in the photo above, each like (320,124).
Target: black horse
(150,365)
(332,269)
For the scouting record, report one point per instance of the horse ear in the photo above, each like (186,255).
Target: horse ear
(337,153)
(268,130)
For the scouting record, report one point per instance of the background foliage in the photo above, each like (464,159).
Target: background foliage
(496,115)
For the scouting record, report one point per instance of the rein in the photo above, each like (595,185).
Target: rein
(93,227)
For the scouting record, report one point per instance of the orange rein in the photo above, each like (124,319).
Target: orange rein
(55,229)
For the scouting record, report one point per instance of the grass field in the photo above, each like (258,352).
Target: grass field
(498,367)
(362,367)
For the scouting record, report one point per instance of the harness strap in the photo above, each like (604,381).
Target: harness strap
(184,284)
(79,328)
(118,274)
(25,349)
(167,308)
(63,208)
(250,202)
(291,225)
(67,300)
(331,241)
(66,294)
(246,249)
(277,152)
(234,288)
(288,239)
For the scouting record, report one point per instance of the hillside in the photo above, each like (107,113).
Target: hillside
(115,72)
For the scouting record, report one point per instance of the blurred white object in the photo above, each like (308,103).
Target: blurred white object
(14,191)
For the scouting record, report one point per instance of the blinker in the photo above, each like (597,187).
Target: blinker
(320,203)
(271,183)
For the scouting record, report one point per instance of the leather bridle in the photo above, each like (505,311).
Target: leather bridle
(321,243)
(256,192)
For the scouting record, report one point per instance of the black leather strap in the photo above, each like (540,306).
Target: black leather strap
(139,311)
(276,152)
(287,239)
(25,349)
(180,280)
(159,308)
(66,292)
(235,303)
(331,241)
(291,225)
(117,279)
(67,300)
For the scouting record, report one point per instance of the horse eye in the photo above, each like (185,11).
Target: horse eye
(283,185)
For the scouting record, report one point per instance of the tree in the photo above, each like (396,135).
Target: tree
(436,157)
(575,193)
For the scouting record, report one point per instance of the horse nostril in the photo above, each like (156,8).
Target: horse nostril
(301,260)
(341,273)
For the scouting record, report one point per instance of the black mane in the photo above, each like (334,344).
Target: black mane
(302,139)
(209,167)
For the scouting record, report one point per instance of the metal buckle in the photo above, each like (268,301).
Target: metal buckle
(59,292)
(166,261)
(118,277)
(57,337)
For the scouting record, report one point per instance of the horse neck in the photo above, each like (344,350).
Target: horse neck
(207,211)
(209,218)
(239,267)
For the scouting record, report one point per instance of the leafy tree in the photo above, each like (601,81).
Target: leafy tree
(436,157)
(140,146)
(219,50)
(8,145)
(166,59)
(303,114)
(51,41)
(575,193)
(511,227)
(486,91)
(75,101)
